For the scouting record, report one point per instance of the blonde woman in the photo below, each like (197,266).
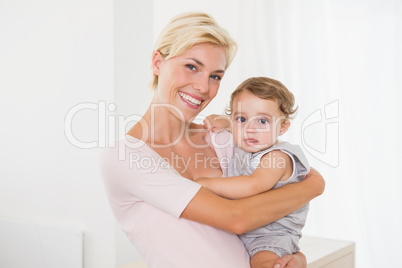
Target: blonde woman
(149,178)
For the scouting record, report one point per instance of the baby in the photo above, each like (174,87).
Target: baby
(260,109)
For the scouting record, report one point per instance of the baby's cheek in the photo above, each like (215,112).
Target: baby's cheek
(237,136)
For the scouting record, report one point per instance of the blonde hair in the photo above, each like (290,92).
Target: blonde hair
(190,29)
(268,89)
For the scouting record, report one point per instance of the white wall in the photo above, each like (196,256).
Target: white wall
(133,49)
(133,44)
(54,55)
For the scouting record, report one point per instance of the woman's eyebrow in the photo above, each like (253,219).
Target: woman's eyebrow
(197,61)
(202,64)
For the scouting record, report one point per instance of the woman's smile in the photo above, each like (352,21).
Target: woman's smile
(191,100)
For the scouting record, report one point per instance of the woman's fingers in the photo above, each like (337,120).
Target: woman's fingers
(297,260)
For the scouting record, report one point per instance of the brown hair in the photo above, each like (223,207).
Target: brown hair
(190,29)
(268,89)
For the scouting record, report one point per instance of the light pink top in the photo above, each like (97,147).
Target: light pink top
(147,196)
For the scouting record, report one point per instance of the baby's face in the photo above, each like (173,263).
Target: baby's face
(257,123)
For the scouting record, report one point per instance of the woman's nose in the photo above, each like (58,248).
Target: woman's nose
(202,84)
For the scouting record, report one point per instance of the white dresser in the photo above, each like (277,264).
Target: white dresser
(320,253)
(328,253)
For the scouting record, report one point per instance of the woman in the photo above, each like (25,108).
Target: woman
(170,219)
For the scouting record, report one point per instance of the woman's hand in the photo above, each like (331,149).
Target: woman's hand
(297,260)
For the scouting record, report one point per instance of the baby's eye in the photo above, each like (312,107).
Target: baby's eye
(263,121)
(241,119)
(191,67)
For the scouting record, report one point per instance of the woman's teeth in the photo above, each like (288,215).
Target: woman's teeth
(190,99)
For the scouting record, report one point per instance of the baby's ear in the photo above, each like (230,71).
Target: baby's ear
(284,127)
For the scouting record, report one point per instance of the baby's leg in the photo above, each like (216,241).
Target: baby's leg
(263,259)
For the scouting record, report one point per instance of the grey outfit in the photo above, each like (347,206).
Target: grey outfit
(281,236)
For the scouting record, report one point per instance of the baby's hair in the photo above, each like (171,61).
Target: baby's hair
(189,29)
(268,89)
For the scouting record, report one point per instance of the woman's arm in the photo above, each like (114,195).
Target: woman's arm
(242,215)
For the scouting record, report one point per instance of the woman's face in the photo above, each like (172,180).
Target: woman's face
(189,81)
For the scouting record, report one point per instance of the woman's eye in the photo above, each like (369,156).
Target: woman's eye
(191,67)
(216,77)
(241,119)
(263,121)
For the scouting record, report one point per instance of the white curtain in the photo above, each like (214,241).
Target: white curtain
(342,59)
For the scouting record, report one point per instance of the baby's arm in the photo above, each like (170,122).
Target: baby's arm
(261,180)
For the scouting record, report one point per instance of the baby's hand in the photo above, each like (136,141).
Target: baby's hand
(217,123)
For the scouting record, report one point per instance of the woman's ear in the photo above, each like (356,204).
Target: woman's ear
(284,127)
(156,61)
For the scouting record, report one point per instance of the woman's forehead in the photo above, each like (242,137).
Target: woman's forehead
(207,55)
